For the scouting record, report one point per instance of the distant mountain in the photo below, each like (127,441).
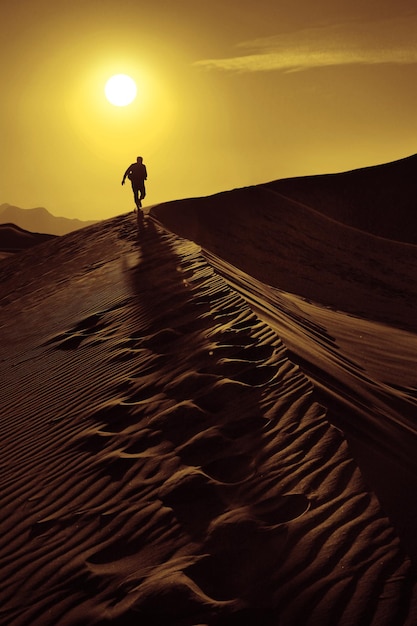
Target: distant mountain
(39,220)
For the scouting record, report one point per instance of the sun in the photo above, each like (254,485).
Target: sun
(120,90)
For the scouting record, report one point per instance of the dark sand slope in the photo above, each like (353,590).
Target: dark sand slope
(381,199)
(298,249)
(164,461)
(14,239)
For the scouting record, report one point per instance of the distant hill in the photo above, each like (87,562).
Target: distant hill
(39,220)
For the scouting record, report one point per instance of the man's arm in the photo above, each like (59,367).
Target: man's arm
(125,174)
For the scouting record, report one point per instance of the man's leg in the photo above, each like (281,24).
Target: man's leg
(142,190)
(136,196)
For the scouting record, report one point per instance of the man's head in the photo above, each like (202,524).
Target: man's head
(139,159)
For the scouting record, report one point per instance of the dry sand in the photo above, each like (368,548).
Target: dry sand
(167,454)
(14,239)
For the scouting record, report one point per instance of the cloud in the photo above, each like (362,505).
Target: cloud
(351,43)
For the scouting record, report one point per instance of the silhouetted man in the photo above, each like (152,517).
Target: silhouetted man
(137,174)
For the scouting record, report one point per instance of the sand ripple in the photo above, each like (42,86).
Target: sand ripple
(165,462)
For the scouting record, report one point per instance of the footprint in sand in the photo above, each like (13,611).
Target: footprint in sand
(180,422)
(116,416)
(231,469)
(73,338)
(281,509)
(194,498)
(255,353)
(246,372)
(243,546)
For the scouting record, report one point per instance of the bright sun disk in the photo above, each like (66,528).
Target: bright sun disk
(120,90)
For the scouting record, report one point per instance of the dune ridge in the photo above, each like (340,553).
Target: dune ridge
(342,299)
(290,245)
(165,461)
(364,373)
(380,199)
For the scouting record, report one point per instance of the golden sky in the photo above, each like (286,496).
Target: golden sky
(230,93)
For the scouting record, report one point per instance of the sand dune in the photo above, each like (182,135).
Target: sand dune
(364,373)
(359,348)
(298,249)
(380,199)
(164,458)
(14,239)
